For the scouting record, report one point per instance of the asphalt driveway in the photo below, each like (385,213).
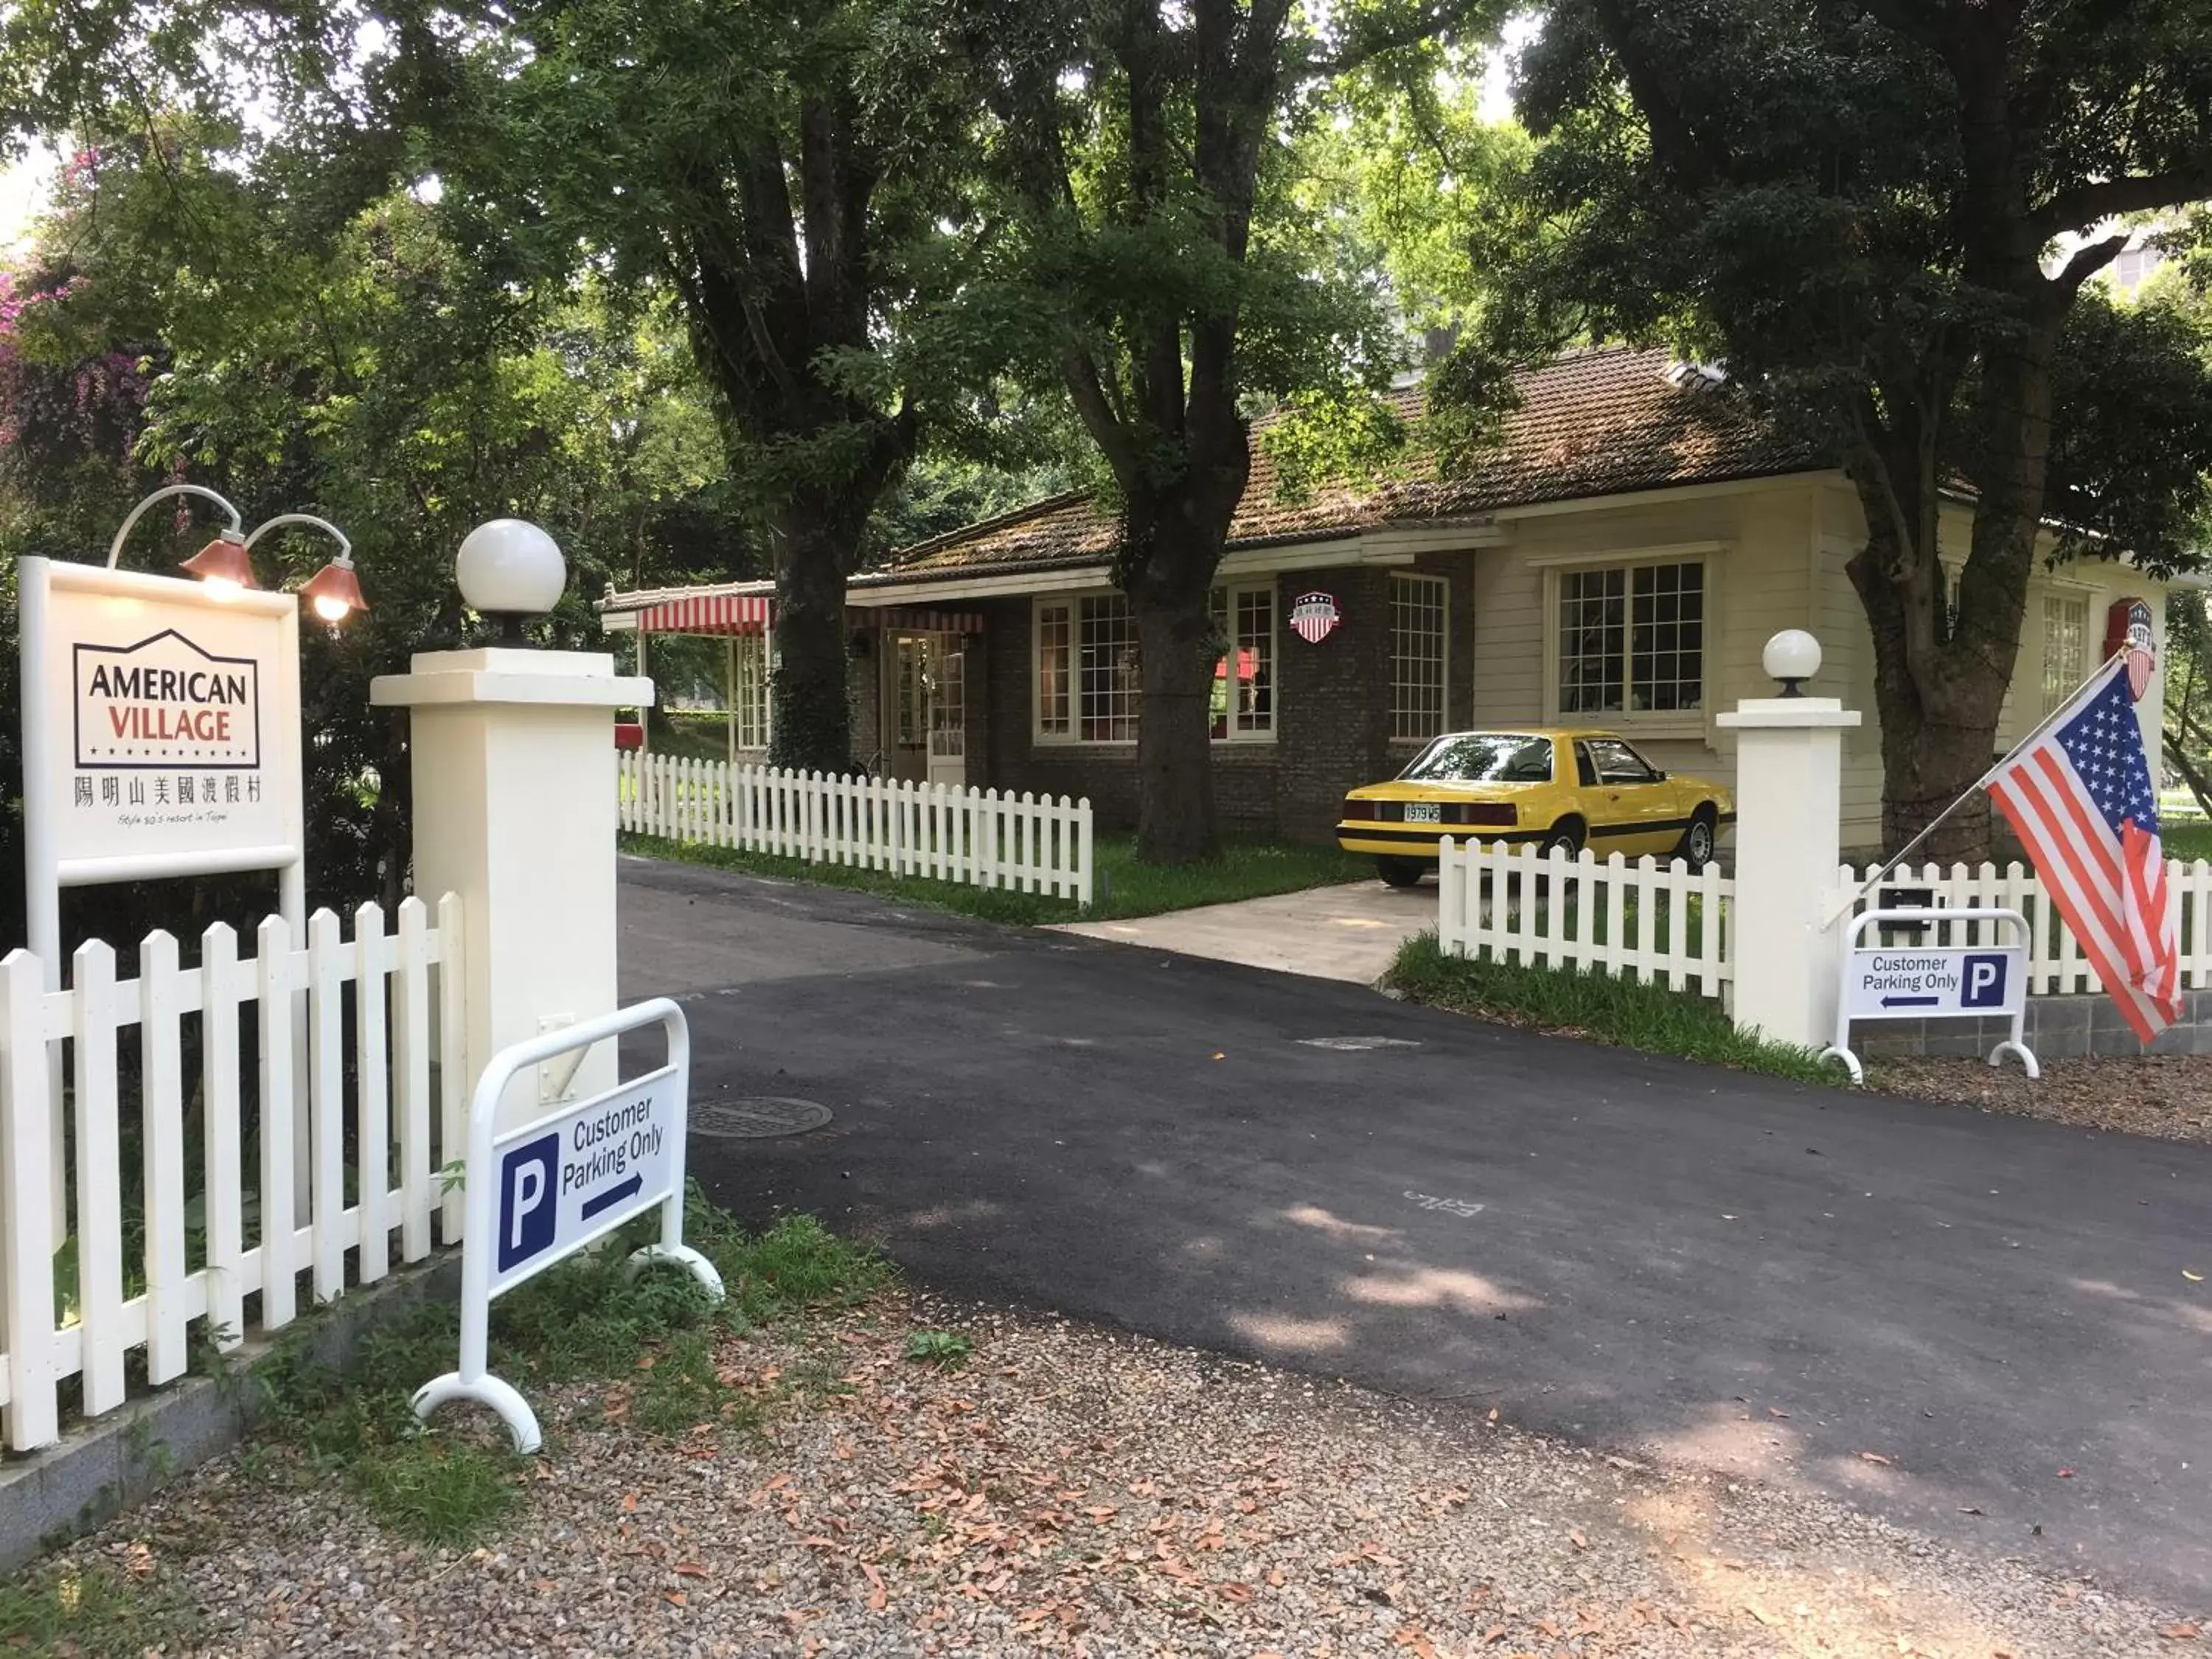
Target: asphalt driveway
(1979,1325)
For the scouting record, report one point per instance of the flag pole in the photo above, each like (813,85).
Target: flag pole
(2049,721)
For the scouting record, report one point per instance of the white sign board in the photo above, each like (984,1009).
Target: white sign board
(542,1192)
(567,1180)
(160,726)
(1909,983)
(1935,981)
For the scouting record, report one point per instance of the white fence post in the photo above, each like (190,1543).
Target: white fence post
(453,1060)
(161,1129)
(99,1160)
(27,1132)
(326,1094)
(411,1071)
(372,1101)
(279,1259)
(221,989)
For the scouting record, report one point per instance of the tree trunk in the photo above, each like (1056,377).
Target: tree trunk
(1175,818)
(1938,727)
(810,714)
(1941,674)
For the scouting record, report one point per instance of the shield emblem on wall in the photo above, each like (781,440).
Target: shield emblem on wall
(1314,617)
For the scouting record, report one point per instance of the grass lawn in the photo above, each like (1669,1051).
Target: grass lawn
(1606,1009)
(1248,868)
(2186,838)
(692,737)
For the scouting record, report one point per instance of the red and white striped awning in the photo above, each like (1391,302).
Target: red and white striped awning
(706,613)
(920,622)
(753,613)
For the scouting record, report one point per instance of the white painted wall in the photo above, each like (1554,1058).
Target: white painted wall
(1779,563)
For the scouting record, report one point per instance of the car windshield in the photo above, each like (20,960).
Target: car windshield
(1483,757)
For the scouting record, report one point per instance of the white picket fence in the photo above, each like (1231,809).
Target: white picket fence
(1664,923)
(2058,965)
(1670,926)
(1029,843)
(127,1298)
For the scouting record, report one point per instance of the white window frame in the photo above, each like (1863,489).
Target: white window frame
(1227,593)
(750,661)
(1038,605)
(1443,584)
(1649,724)
(1072,603)
(2058,594)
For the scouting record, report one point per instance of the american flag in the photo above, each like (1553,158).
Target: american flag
(2080,798)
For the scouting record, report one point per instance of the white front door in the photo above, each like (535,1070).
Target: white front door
(926,708)
(948,711)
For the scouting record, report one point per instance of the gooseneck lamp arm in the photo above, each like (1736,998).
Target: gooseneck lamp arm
(115,547)
(345,547)
(333,592)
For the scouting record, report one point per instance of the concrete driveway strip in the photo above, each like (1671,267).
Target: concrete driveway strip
(1348,932)
(1977,1324)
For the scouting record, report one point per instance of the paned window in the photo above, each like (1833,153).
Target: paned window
(1244,678)
(2065,647)
(749,689)
(1108,689)
(1631,639)
(1087,686)
(1417,655)
(1054,626)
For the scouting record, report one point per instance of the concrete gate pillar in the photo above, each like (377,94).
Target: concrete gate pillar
(1788,799)
(512,754)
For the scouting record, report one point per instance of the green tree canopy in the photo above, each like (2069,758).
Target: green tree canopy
(168,325)
(1162,267)
(1882,216)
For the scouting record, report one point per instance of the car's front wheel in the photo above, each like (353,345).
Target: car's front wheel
(1401,872)
(1697,845)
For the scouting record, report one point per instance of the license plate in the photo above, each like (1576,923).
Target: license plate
(1424,811)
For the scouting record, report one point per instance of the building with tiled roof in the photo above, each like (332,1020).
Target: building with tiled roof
(1618,558)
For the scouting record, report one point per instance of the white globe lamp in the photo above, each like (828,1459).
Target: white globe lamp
(1793,656)
(508,569)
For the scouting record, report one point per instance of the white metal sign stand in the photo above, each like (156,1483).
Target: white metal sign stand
(544,1191)
(1944,981)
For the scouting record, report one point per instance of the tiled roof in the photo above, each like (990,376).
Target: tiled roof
(1596,423)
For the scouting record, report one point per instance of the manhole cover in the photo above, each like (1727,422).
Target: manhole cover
(757,1116)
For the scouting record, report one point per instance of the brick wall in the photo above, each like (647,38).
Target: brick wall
(1332,713)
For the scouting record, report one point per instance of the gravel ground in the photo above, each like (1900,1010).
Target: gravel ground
(2169,1095)
(1074,1490)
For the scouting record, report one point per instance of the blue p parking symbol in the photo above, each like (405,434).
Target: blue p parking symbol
(527,1212)
(1982,984)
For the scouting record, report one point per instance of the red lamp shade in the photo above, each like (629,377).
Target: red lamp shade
(222,560)
(334,591)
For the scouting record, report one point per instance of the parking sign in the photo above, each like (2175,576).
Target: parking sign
(542,1192)
(525,1200)
(1934,982)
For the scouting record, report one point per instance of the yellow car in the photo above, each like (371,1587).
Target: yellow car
(1563,787)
